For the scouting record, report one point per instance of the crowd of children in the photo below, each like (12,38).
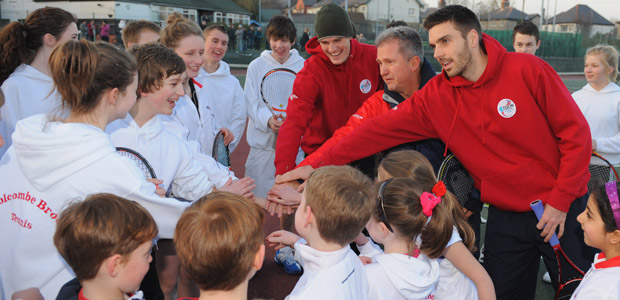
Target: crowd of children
(80,222)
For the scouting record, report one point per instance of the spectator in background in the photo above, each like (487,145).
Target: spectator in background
(83,30)
(258,37)
(305,37)
(239,37)
(232,40)
(249,37)
(396,24)
(92,30)
(105,31)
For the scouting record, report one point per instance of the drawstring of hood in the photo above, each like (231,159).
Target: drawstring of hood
(484,138)
(459,91)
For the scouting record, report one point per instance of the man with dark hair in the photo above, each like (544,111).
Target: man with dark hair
(525,38)
(513,124)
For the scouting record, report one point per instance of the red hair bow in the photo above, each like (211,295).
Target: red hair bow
(429,201)
(439,189)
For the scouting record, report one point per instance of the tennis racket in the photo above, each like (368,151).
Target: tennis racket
(601,169)
(275,88)
(456,178)
(569,275)
(140,161)
(220,152)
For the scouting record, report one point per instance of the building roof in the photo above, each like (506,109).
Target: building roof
(581,14)
(216,5)
(509,13)
(427,12)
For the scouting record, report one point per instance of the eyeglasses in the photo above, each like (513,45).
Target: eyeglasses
(381,208)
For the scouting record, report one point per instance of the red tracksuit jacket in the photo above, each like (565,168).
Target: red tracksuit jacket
(516,129)
(324,96)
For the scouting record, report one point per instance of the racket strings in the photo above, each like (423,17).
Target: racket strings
(221,152)
(138,161)
(277,87)
(456,178)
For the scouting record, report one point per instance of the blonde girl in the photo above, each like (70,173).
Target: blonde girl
(599,100)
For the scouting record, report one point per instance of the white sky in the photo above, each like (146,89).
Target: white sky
(610,9)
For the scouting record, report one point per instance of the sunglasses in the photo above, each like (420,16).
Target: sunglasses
(381,208)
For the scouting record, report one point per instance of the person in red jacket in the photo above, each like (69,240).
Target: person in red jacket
(513,124)
(333,84)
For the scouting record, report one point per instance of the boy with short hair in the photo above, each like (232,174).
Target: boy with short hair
(219,240)
(107,242)
(140,32)
(262,125)
(525,38)
(336,205)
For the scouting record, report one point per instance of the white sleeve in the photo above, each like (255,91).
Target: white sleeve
(190,182)
(237,124)
(9,115)
(610,144)
(256,108)
(217,173)
(369,249)
(456,237)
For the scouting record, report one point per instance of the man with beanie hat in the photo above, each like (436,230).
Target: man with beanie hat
(334,82)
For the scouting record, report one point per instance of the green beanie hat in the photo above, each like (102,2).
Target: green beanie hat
(332,20)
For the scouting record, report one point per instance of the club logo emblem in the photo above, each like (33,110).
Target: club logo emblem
(365,86)
(506,108)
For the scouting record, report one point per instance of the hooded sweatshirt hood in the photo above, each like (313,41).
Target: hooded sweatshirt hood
(293,59)
(608,89)
(222,70)
(411,276)
(46,151)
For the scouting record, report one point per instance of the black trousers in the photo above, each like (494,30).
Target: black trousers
(513,247)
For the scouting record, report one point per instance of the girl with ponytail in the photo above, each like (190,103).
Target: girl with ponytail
(24,73)
(56,160)
(415,210)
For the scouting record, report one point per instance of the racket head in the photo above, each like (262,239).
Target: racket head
(221,152)
(139,160)
(456,178)
(600,170)
(276,87)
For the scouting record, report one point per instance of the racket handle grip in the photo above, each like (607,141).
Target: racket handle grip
(539,208)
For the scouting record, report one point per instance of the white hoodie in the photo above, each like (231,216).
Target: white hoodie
(27,92)
(329,275)
(261,139)
(49,165)
(171,157)
(259,135)
(602,111)
(224,95)
(400,276)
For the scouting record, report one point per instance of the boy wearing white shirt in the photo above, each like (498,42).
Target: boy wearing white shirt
(336,205)
(262,127)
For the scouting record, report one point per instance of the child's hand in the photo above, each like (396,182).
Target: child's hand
(365,260)
(284,194)
(158,190)
(275,123)
(228,135)
(243,187)
(282,238)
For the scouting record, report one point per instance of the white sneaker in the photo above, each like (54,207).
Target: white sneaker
(546,278)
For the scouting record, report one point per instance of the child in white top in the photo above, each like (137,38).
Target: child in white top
(601,229)
(24,74)
(262,126)
(116,236)
(460,275)
(221,90)
(186,39)
(52,162)
(599,101)
(336,204)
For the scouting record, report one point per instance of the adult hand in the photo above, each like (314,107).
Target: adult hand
(282,238)
(551,219)
(467,212)
(299,173)
(228,135)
